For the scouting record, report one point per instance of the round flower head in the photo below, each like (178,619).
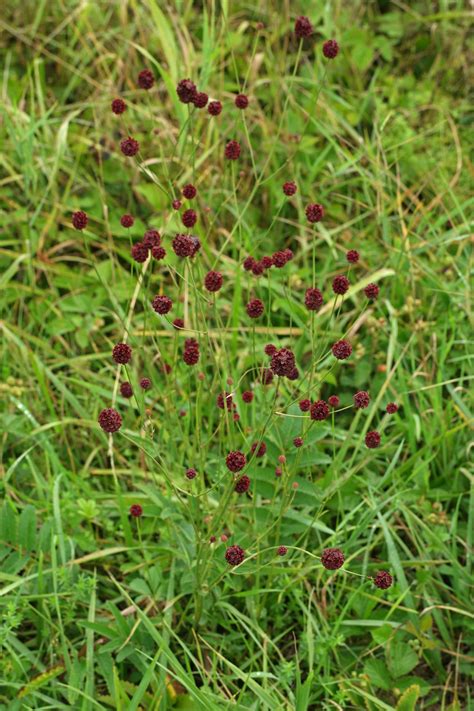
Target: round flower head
(212,539)
(151,239)
(283,362)
(122,353)
(247,396)
(361,400)
(146,79)
(282,550)
(314,212)
(391,408)
(383,580)
(242,484)
(214,108)
(118,106)
(313,299)
(266,262)
(110,420)
(178,323)
(189,218)
(145,383)
(289,188)
(213,281)
(191,473)
(162,304)
(258,268)
(352,256)
(234,555)
(183,245)
(129,147)
(248,263)
(371,291)
(303,27)
(305,405)
(255,308)
(278,472)
(241,101)
(186,91)
(176,204)
(341,349)
(139,252)
(340,284)
(158,252)
(200,99)
(333,400)
(189,191)
(330,49)
(372,439)
(224,401)
(259,449)
(298,441)
(332,558)
(79,220)
(127,221)
(136,510)
(232,150)
(270,349)
(126,390)
(319,410)
(235,461)
(279,259)
(191,351)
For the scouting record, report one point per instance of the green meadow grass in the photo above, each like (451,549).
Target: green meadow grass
(101,611)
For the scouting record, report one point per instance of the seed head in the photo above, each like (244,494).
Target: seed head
(186,91)
(129,147)
(213,281)
(247,396)
(372,439)
(189,192)
(371,291)
(340,284)
(110,420)
(145,383)
(298,441)
(191,474)
(200,100)
(282,550)
(118,106)
(391,408)
(189,218)
(259,449)
(255,308)
(333,400)
(305,405)
(183,245)
(313,299)
(136,510)
(235,461)
(319,410)
(383,580)
(79,220)
(341,349)
(158,252)
(303,27)
(122,353)
(234,555)
(283,362)
(361,400)
(126,390)
(352,256)
(241,101)
(242,484)
(332,558)
(232,150)
(289,188)
(330,49)
(214,108)
(151,239)
(162,304)
(314,212)
(127,221)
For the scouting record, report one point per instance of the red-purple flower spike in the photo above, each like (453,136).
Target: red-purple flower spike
(255,308)
(259,449)
(162,304)
(79,220)
(341,349)
(303,27)
(183,245)
(372,439)
(340,284)
(127,221)
(332,558)
(126,390)
(129,147)
(110,420)
(200,99)
(298,442)
(236,461)
(383,580)
(146,79)
(122,353)
(145,383)
(139,252)
(283,362)
(282,550)
(214,108)
(158,252)
(191,473)
(213,281)
(242,484)
(319,410)
(333,400)
(289,188)
(313,299)
(191,353)
(186,91)
(189,218)
(176,204)
(330,49)
(305,405)
(234,555)
(371,291)
(189,192)
(314,212)
(391,408)
(247,396)
(118,106)
(352,256)
(232,150)
(136,510)
(241,101)
(361,400)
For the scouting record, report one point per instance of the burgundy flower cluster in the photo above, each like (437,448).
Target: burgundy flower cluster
(277,259)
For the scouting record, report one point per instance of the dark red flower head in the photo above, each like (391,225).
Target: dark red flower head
(212,539)
(332,558)
(183,245)
(79,220)
(146,79)
(270,349)
(232,150)
(126,390)
(303,27)
(214,108)
(242,484)
(118,106)
(248,263)
(333,400)
(258,269)
(313,299)
(361,400)
(191,351)
(158,252)
(127,221)
(186,91)
(330,49)
(241,101)
(110,420)
(139,252)
(282,550)
(314,212)
(189,218)
(371,291)
(289,188)
(136,510)
(189,191)
(383,580)
(319,410)
(176,204)
(305,405)
(129,147)
(200,99)
(266,262)
(391,408)
(294,375)
(178,323)
(255,308)
(235,461)
(224,401)
(234,555)
(151,239)
(259,449)
(191,473)
(145,383)
(352,256)
(298,441)
(283,362)
(162,304)
(247,396)
(213,281)
(372,439)
(122,353)
(340,284)
(341,349)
